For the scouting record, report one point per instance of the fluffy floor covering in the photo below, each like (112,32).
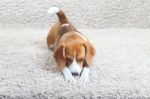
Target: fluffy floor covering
(121,67)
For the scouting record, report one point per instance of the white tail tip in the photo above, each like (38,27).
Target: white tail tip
(53,10)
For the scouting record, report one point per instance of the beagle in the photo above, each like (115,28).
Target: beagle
(73,52)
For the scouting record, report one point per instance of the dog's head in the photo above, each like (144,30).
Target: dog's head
(74,55)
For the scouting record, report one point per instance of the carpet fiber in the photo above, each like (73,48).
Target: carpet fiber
(121,67)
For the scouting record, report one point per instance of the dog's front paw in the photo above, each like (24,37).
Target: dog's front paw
(68,76)
(84,79)
(70,79)
(85,75)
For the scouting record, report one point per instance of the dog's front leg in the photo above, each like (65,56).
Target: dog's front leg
(85,75)
(68,76)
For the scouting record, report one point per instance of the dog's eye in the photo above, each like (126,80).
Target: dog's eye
(80,60)
(69,60)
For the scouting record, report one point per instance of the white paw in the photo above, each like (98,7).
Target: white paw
(85,75)
(84,79)
(68,76)
(70,79)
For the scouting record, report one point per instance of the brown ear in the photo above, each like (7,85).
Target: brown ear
(59,55)
(90,52)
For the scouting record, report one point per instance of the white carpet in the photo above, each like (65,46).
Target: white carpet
(121,68)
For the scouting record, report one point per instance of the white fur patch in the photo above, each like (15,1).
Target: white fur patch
(85,75)
(66,24)
(68,76)
(81,36)
(53,10)
(75,67)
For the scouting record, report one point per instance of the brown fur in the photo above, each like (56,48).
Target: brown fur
(62,17)
(65,42)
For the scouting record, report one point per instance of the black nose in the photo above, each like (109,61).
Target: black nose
(75,74)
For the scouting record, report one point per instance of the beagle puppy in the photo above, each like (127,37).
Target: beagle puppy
(73,52)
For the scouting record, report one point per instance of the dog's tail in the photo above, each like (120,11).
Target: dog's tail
(61,15)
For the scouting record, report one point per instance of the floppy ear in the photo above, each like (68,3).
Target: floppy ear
(59,55)
(90,52)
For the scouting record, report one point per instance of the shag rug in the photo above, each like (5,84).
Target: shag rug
(121,67)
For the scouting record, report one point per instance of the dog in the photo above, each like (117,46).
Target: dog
(72,51)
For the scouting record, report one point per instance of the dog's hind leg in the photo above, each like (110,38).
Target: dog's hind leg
(50,39)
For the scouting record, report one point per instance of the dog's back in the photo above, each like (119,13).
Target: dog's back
(60,28)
